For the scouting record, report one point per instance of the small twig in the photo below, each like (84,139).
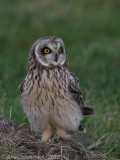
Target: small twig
(111,149)
(96,144)
(61,152)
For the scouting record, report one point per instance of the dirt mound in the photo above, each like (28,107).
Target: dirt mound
(17,142)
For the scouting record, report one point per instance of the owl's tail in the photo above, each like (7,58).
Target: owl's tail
(87,110)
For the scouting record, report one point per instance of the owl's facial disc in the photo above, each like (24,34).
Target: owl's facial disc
(51,53)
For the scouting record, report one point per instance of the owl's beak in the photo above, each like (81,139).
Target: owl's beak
(56,57)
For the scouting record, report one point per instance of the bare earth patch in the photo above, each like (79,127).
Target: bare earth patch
(17,142)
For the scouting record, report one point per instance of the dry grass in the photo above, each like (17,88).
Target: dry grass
(17,142)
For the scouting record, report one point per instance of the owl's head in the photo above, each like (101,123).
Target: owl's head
(49,51)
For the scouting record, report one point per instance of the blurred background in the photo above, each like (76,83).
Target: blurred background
(90,30)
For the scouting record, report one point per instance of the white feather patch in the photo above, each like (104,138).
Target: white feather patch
(38,57)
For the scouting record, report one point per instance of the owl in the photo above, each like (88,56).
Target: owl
(50,93)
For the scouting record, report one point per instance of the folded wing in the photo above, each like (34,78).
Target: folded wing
(78,95)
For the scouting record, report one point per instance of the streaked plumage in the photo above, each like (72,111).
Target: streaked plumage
(50,93)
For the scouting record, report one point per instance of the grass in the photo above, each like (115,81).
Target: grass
(91,32)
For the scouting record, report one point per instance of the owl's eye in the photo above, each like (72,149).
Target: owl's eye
(46,50)
(60,50)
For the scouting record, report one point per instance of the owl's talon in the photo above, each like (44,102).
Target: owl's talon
(66,136)
(44,140)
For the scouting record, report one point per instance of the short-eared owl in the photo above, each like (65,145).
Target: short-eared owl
(50,93)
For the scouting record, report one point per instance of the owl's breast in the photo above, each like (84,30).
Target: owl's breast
(45,92)
(54,81)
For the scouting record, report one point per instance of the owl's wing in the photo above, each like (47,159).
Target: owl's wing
(78,95)
(21,87)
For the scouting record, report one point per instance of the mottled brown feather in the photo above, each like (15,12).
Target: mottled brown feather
(21,87)
(78,94)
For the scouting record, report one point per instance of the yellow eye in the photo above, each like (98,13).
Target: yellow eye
(60,50)
(46,50)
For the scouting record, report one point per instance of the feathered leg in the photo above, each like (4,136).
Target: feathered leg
(46,133)
(61,133)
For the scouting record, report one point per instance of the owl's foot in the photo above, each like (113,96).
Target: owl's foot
(62,134)
(46,134)
(45,137)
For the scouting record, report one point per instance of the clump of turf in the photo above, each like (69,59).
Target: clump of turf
(17,142)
